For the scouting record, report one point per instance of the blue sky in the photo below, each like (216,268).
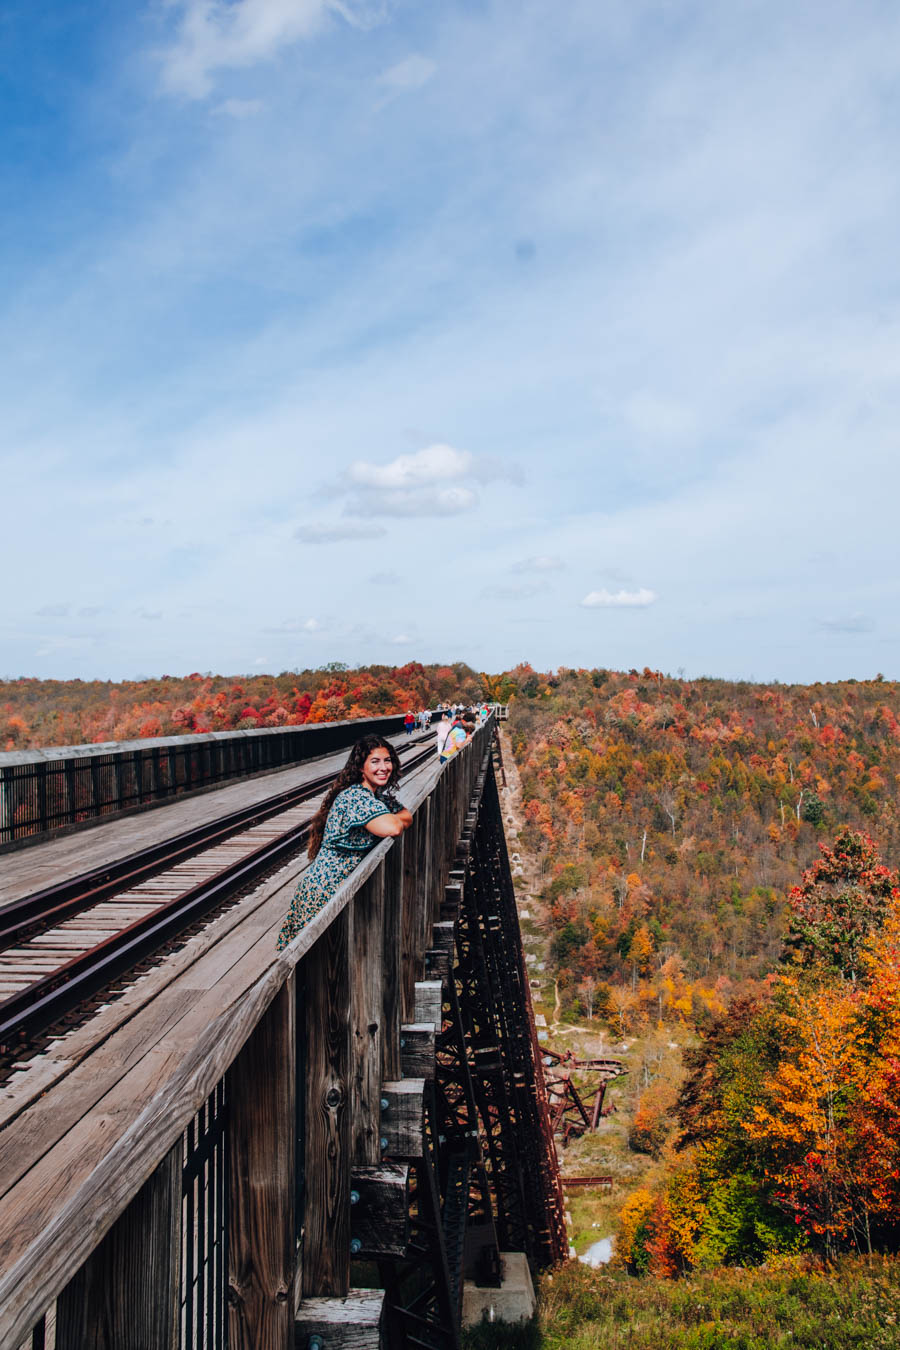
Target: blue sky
(378,330)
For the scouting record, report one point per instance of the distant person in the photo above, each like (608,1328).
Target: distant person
(359,810)
(443,731)
(409,722)
(457,736)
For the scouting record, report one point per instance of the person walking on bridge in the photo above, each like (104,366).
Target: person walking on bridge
(358,810)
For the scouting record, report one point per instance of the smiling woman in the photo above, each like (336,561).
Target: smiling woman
(358,810)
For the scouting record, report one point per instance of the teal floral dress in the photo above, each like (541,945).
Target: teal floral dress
(345,843)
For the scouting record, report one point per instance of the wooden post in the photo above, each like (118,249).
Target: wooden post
(126,1295)
(392,1001)
(425,870)
(366,996)
(326,1248)
(411,957)
(261,1154)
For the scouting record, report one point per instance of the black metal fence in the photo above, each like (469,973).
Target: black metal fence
(43,790)
(204,1227)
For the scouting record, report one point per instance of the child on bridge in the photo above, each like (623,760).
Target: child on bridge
(358,810)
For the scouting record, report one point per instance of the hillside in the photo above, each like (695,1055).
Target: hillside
(673,816)
(716,888)
(75,712)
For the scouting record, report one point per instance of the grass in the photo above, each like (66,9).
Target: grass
(853,1306)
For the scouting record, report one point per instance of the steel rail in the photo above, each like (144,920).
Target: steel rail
(53,904)
(31,1011)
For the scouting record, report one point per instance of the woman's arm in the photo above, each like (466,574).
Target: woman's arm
(390,824)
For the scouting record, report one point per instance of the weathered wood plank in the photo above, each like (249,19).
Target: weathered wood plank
(261,1093)
(366,984)
(417,1050)
(429,1002)
(411,968)
(326,1254)
(379,1213)
(351,1323)
(392,983)
(403,1118)
(437,965)
(126,1295)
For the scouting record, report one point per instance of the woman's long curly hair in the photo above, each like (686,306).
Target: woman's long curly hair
(349,776)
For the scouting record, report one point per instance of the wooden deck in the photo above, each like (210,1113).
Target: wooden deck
(124,1085)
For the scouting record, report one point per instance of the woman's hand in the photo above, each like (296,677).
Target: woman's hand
(390,824)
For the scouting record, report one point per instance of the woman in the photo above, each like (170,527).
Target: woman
(359,809)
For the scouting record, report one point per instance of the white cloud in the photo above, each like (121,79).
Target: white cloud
(436,464)
(401,640)
(619,599)
(385,578)
(337,534)
(430,482)
(54,611)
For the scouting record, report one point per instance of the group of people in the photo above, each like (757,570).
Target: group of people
(361,807)
(419,721)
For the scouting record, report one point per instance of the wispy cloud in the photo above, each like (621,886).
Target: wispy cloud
(540,562)
(414,72)
(337,534)
(604,599)
(240,108)
(289,626)
(217,35)
(524,591)
(848,623)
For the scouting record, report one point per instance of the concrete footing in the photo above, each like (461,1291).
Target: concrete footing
(514,1301)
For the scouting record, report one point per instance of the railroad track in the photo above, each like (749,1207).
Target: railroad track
(61,945)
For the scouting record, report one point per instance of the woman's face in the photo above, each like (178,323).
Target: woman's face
(377,769)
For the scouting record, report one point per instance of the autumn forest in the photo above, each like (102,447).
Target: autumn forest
(715,858)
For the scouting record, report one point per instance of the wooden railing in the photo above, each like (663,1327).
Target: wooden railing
(53,789)
(228,1121)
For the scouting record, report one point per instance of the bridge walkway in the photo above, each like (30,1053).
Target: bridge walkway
(210,1155)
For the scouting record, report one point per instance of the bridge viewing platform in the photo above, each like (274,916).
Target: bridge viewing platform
(205,1142)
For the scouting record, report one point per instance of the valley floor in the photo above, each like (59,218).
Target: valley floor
(853,1306)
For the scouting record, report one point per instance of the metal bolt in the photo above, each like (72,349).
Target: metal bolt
(385,1104)
(355,1246)
(383,1142)
(315,1343)
(354,1197)
(402,1042)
